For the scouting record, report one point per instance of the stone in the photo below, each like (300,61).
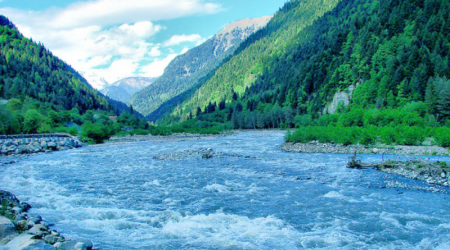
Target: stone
(7,228)
(6,240)
(17,210)
(50,239)
(21,223)
(57,245)
(80,246)
(38,230)
(88,243)
(25,206)
(54,233)
(68,245)
(27,242)
(35,219)
(51,145)
(443,175)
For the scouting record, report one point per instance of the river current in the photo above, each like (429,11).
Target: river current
(121,198)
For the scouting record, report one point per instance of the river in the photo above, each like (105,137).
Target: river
(254,197)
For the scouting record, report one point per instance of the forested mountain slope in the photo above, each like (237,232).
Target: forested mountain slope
(187,69)
(40,93)
(252,58)
(393,51)
(29,69)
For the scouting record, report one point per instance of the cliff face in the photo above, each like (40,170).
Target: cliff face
(187,69)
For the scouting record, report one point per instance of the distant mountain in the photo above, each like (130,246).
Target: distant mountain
(187,69)
(122,90)
(94,80)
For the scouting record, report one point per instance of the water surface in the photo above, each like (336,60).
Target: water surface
(121,198)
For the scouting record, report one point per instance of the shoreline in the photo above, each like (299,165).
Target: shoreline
(18,230)
(433,173)
(330,148)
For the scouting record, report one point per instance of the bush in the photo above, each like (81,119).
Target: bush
(442,135)
(95,132)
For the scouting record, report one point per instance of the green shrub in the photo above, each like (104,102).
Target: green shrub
(442,135)
(388,135)
(95,132)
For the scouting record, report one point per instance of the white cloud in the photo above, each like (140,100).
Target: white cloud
(155,52)
(184,51)
(117,70)
(109,38)
(178,39)
(157,67)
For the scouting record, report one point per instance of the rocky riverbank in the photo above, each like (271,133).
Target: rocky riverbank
(436,172)
(317,147)
(17,146)
(19,231)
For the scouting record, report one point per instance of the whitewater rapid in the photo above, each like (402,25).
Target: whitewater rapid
(120,197)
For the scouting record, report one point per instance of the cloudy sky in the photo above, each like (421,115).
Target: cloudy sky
(115,39)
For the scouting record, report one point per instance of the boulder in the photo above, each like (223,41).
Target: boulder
(7,228)
(80,246)
(38,230)
(27,242)
(50,239)
(51,145)
(35,219)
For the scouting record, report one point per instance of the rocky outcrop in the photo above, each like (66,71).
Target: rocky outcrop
(20,231)
(340,98)
(15,145)
(200,153)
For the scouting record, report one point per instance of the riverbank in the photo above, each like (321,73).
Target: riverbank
(18,230)
(331,148)
(31,144)
(436,172)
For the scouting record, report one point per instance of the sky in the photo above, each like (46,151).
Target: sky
(115,39)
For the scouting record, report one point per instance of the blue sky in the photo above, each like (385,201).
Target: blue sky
(114,39)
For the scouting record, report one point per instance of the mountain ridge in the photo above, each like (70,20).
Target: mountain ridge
(186,69)
(123,89)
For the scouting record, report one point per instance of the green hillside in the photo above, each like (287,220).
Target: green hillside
(186,70)
(391,50)
(41,93)
(255,55)
(388,58)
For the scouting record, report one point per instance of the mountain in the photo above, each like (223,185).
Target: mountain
(187,69)
(384,54)
(94,80)
(122,90)
(30,70)
(40,93)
